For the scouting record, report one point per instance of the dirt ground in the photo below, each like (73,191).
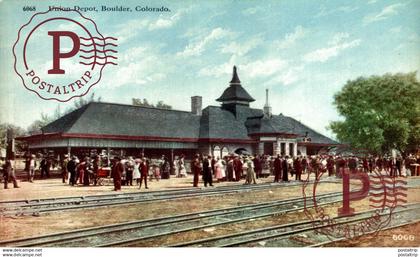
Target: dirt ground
(406,236)
(291,217)
(26,226)
(50,188)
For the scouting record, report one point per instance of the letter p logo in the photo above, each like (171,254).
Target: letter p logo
(354,195)
(57,55)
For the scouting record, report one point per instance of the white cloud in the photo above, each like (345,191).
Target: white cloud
(395,29)
(250,11)
(387,12)
(260,68)
(338,38)
(127,30)
(348,8)
(335,46)
(324,11)
(241,49)
(196,48)
(289,76)
(291,38)
(216,71)
(140,65)
(264,68)
(164,23)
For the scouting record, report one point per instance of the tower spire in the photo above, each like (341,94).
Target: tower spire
(266,97)
(267,107)
(235,78)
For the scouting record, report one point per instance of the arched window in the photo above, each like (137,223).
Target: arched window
(225,151)
(216,151)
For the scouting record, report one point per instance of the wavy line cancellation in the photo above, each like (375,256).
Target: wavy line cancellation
(97,44)
(91,63)
(388,201)
(388,194)
(99,51)
(99,57)
(388,188)
(103,39)
(382,206)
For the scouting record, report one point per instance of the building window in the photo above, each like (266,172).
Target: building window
(216,151)
(291,149)
(283,148)
(268,148)
(225,151)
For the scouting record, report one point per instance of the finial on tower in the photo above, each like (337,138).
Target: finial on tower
(235,78)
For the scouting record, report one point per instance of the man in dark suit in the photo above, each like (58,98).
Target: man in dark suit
(284,165)
(207,171)
(144,170)
(330,165)
(257,165)
(71,167)
(237,166)
(277,168)
(297,165)
(117,170)
(196,169)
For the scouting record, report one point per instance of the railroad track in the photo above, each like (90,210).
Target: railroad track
(297,234)
(131,233)
(39,206)
(340,239)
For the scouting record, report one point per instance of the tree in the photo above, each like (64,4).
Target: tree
(36,126)
(162,105)
(145,103)
(81,101)
(380,113)
(14,131)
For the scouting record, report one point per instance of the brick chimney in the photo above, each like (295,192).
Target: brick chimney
(196,105)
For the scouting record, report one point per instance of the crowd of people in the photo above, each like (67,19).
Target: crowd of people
(130,171)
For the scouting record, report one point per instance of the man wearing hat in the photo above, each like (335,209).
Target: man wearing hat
(207,171)
(144,170)
(30,167)
(277,168)
(64,170)
(237,167)
(250,174)
(285,168)
(71,168)
(117,170)
(196,169)
(9,173)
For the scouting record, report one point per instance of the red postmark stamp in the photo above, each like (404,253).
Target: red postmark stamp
(385,194)
(61,54)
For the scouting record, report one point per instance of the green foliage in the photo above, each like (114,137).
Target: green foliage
(36,126)
(145,103)
(82,101)
(14,131)
(380,113)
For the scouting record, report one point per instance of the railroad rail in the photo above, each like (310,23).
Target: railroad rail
(39,206)
(130,233)
(296,234)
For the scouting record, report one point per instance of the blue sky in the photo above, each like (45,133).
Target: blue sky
(303,51)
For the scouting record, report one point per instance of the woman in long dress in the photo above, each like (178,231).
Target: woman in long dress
(220,170)
(181,167)
(136,171)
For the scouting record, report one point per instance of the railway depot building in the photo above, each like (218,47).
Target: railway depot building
(217,130)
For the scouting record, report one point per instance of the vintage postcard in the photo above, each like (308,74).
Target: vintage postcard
(288,126)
